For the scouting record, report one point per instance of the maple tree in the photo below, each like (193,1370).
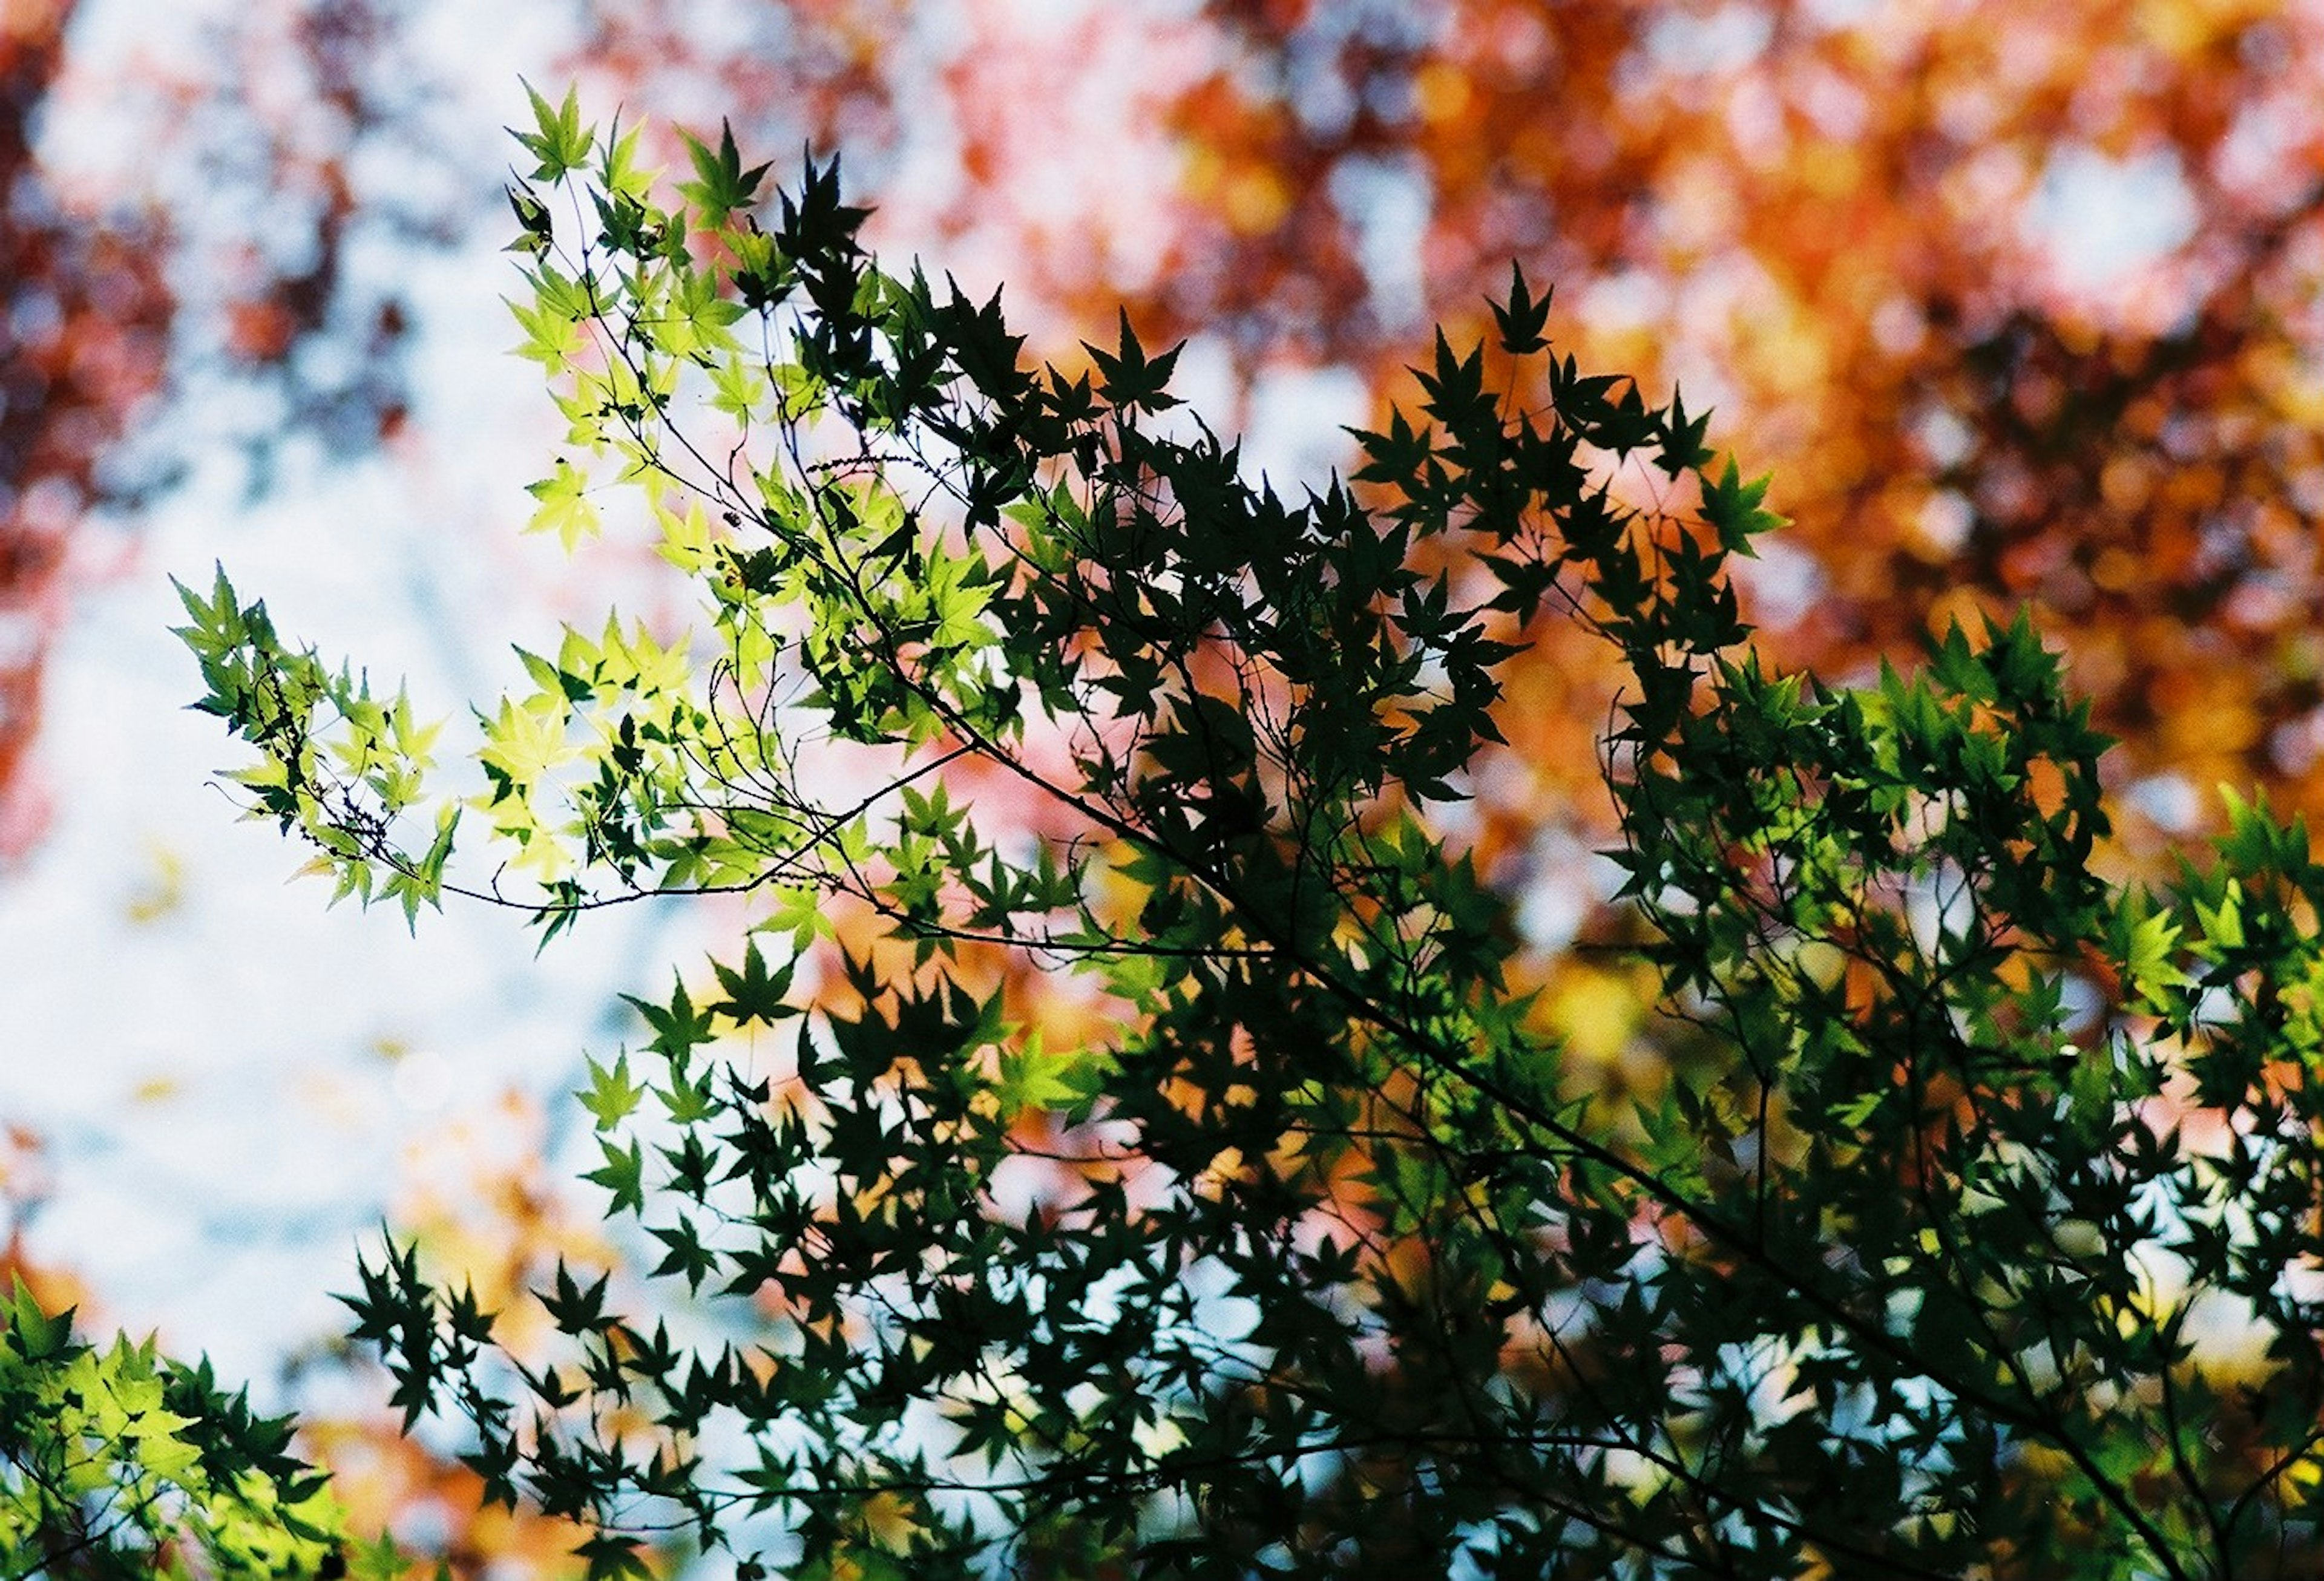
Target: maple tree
(1170,1167)
(1813,216)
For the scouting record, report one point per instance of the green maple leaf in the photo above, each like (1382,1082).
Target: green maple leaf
(1731,507)
(565,508)
(721,185)
(560,142)
(624,1176)
(753,993)
(1131,378)
(612,1095)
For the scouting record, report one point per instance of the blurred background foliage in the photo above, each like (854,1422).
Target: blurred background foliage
(2020,304)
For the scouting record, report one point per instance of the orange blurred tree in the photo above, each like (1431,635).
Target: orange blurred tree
(85,312)
(1878,238)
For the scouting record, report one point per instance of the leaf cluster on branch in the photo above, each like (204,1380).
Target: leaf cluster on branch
(117,1463)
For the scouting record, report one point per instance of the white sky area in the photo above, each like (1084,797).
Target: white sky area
(229,1078)
(2104,219)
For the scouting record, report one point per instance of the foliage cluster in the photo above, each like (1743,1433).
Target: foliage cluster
(114,1462)
(1126,1138)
